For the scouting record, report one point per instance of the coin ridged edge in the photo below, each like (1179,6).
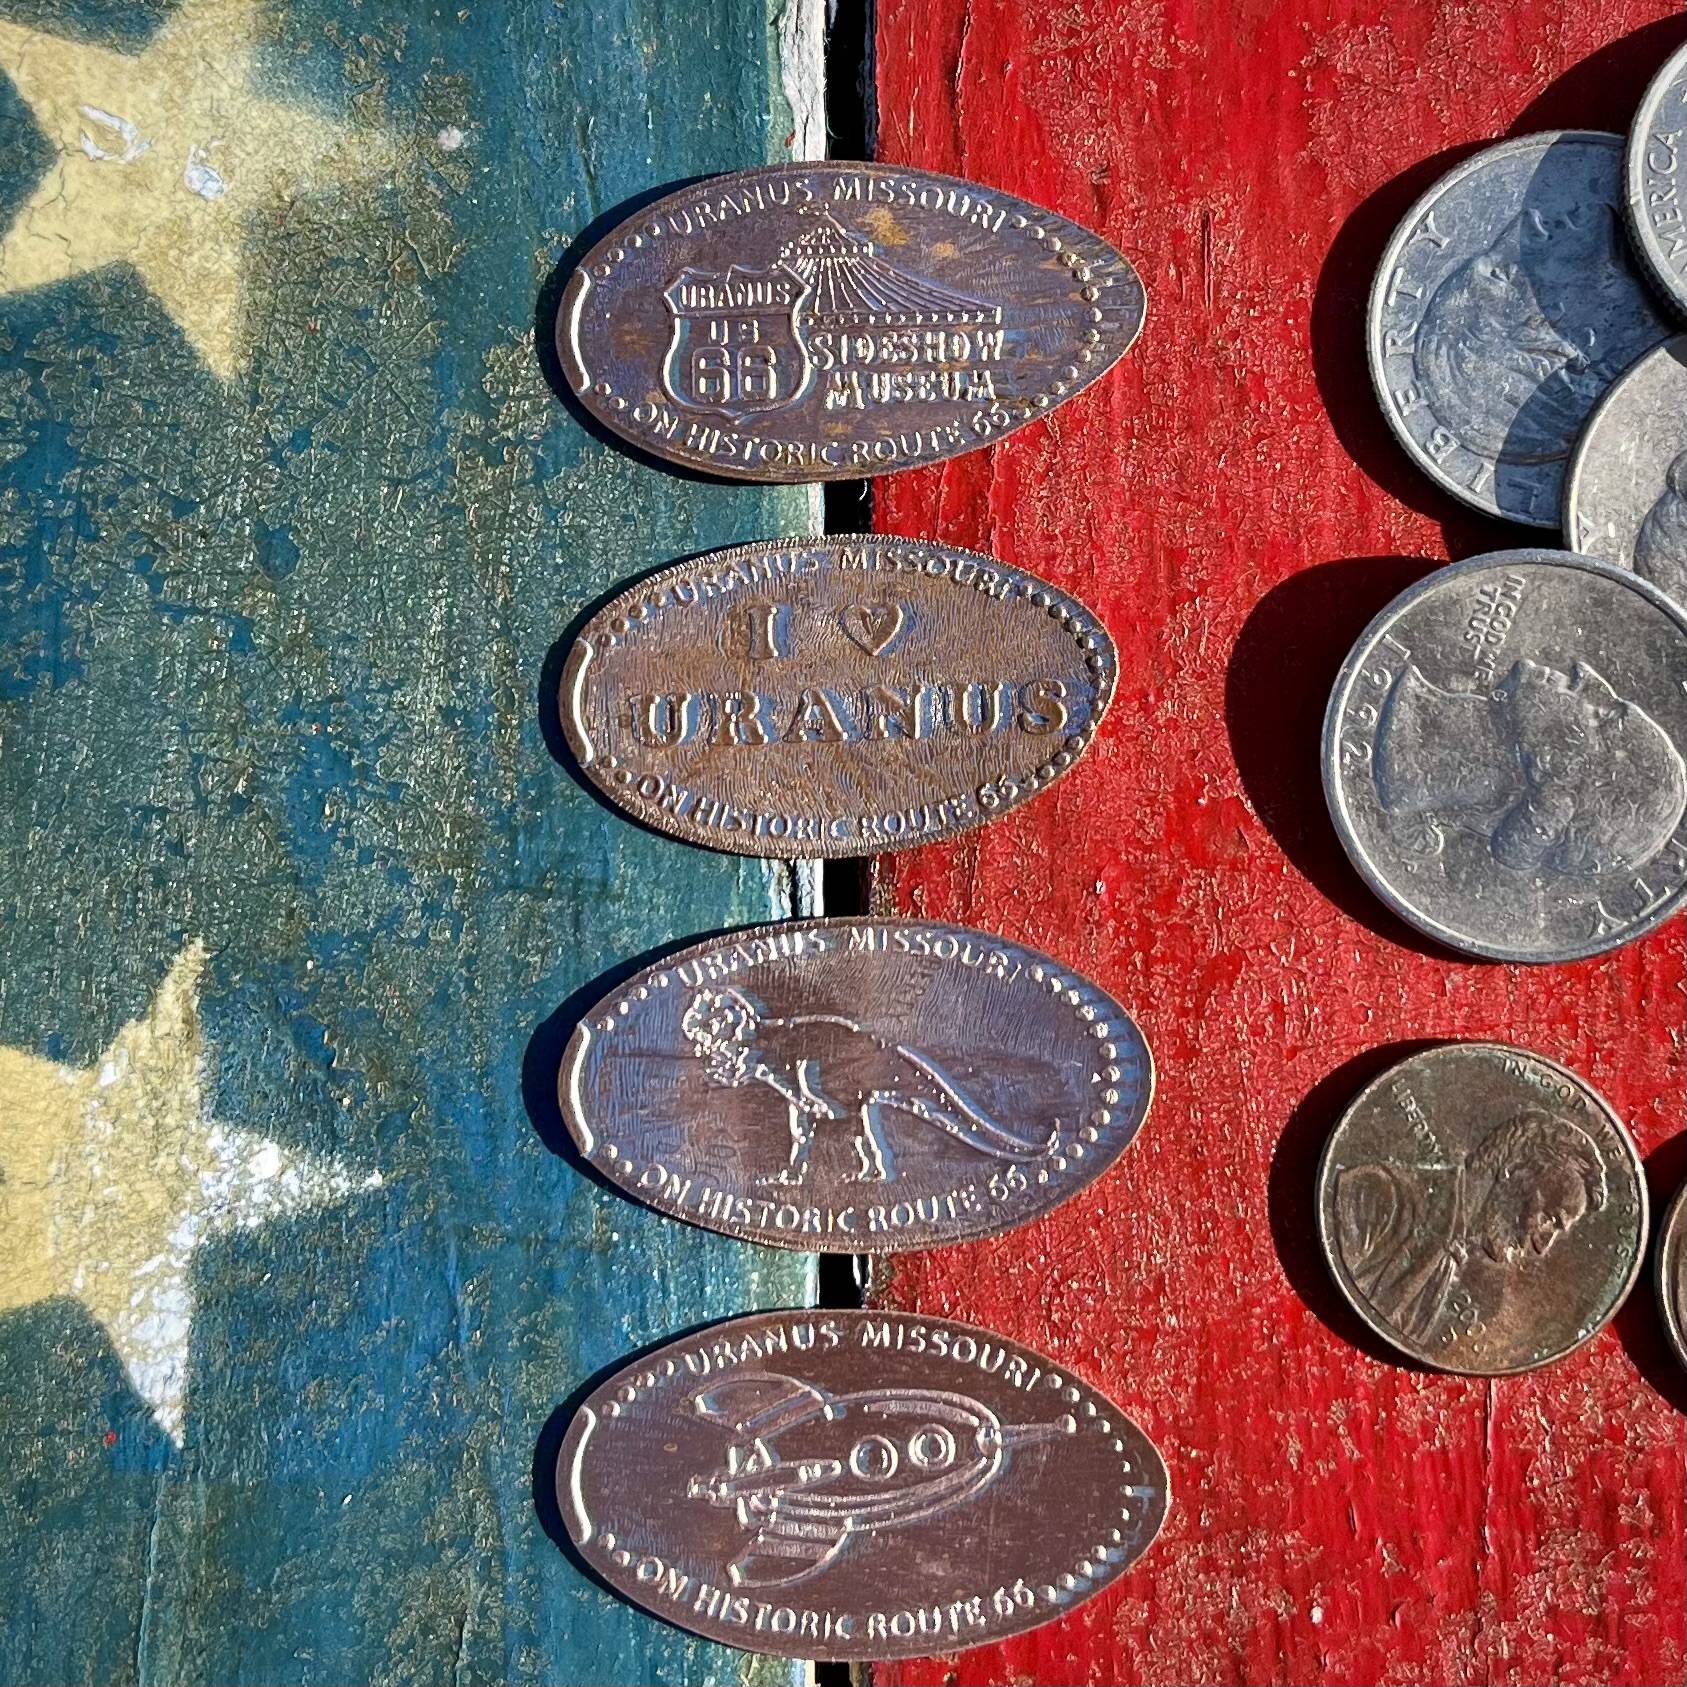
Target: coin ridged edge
(1330,756)
(1076,618)
(1570,505)
(1666,1274)
(614,1005)
(1344,1280)
(1374,306)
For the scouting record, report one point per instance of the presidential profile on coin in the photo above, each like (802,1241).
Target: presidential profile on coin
(1625,497)
(829,697)
(1506,303)
(853,1485)
(1482,1208)
(855,1085)
(1656,179)
(1503,756)
(806,322)
(1671,1276)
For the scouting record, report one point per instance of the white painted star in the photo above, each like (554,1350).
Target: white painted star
(164,159)
(112,1177)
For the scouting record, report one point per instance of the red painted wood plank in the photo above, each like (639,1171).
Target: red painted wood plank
(1232,503)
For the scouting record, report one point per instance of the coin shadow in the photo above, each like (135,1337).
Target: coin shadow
(1640,1322)
(1276,689)
(1341,364)
(556,660)
(548,1448)
(1292,1198)
(1602,90)
(549,301)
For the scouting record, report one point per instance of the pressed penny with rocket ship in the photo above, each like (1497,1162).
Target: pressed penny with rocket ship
(849,1485)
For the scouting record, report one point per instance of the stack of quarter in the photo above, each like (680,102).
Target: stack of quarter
(1504,307)
(1482,1208)
(1522,334)
(1625,497)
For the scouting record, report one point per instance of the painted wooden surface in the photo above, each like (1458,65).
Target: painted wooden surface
(298,891)
(1232,503)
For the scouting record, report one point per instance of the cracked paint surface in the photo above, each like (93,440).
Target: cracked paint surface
(1231,503)
(278,620)
(112,1177)
(165,158)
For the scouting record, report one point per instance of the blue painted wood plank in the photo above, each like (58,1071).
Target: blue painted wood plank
(297,893)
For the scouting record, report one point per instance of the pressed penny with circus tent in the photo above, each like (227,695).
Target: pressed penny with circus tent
(826,321)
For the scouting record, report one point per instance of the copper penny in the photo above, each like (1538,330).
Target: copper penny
(807,322)
(1482,1208)
(855,1085)
(850,1485)
(833,697)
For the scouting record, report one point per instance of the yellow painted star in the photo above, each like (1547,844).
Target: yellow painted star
(163,156)
(111,1177)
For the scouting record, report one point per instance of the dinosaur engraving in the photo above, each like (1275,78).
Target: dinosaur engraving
(825,1067)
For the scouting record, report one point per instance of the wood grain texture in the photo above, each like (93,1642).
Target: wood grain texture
(1233,505)
(299,891)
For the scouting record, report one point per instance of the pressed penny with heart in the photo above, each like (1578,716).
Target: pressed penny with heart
(875,627)
(827,697)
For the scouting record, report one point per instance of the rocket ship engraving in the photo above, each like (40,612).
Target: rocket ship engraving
(810,1471)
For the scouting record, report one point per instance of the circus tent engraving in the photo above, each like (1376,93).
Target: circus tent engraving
(751,341)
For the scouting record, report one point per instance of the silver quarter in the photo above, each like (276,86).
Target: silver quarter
(1625,497)
(1506,303)
(1655,176)
(1671,1279)
(1482,1208)
(1503,756)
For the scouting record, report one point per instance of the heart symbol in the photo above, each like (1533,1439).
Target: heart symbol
(874,628)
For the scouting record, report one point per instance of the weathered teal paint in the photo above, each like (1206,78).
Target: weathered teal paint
(272,668)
